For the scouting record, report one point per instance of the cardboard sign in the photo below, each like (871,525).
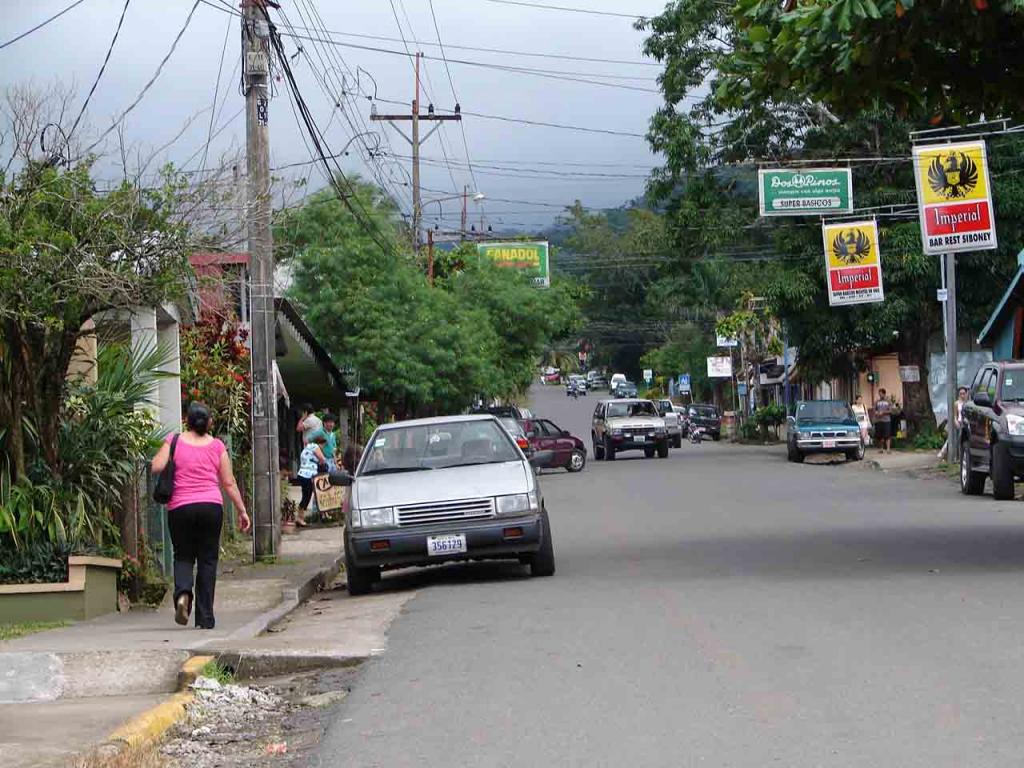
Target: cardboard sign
(328,497)
(852,263)
(954,197)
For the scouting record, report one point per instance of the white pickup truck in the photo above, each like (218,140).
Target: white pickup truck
(672,422)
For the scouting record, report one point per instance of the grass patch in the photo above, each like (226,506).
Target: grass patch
(215,671)
(12,631)
(128,757)
(236,550)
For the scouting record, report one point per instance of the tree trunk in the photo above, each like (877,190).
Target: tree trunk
(917,400)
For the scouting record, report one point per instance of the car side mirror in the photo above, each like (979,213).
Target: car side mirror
(542,458)
(791,419)
(566,433)
(982,399)
(341,477)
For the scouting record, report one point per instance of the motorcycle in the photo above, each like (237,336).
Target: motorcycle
(696,434)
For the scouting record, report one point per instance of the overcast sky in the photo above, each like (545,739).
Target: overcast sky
(72,49)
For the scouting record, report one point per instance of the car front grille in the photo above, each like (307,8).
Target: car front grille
(819,435)
(445,511)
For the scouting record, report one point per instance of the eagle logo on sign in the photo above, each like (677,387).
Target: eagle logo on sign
(955,177)
(851,247)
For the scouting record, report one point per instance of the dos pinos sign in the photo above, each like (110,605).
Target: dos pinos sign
(954,198)
(806,192)
(852,263)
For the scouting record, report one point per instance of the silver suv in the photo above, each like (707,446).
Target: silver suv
(628,424)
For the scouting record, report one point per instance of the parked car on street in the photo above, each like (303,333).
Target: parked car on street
(550,376)
(628,425)
(506,411)
(824,426)
(992,430)
(516,432)
(429,491)
(597,381)
(567,450)
(707,416)
(672,423)
(624,389)
(616,379)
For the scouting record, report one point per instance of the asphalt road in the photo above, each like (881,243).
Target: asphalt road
(717,608)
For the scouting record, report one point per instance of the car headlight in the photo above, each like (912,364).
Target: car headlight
(659,430)
(377,517)
(1014,424)
(516,504)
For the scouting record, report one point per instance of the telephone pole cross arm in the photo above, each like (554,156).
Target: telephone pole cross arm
(415,142)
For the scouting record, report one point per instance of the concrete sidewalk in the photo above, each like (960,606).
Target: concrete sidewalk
(910,462)
(83,680)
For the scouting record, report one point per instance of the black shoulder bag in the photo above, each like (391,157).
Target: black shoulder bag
(165,481)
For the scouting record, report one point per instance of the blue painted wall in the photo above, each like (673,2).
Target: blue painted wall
(1003,348)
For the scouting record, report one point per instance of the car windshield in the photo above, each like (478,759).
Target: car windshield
(704,411)
(512,426)
(437,446)
(1013,384)
(824,410)
(626,410)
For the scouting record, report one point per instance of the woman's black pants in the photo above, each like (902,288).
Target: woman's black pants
(195,533)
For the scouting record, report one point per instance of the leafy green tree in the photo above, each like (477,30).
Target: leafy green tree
(70,253)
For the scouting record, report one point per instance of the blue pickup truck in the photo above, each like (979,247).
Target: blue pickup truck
(824,426)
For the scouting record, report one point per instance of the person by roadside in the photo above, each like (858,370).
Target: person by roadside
(195,512)
(310,461)
(961,399)
(883,422)
(309,423)
(863,421)
(330,448)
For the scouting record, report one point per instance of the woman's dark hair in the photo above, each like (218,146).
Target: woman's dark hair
(198,418)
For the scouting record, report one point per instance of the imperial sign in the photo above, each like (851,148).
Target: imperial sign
(807,192)
(852,263)
(954,198)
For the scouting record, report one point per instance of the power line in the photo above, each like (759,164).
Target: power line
(447,69)
(216,92)
(588,11)
(103,67)
(475,49)
(41,24)
(152,80)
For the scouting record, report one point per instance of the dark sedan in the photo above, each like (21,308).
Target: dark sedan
(567,450)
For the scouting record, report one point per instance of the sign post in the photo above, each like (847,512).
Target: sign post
(954,197)
(719,367)
(806,192)
(852,262)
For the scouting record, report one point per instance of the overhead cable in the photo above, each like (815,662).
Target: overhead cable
(40,25)
(103,67)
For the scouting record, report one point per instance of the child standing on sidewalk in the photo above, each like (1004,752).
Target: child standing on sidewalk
(310,461)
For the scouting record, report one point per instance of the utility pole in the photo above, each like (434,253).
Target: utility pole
(949,266)
(430,256)
(465,201)
(415,142)
(256,69)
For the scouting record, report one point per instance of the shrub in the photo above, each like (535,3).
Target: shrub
(41,563)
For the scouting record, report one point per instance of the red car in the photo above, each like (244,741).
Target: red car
(567,449)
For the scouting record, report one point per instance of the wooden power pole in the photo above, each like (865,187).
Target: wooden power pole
(415,141)
(266,491)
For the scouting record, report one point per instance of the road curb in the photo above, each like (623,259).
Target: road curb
(291,598)
(147,728)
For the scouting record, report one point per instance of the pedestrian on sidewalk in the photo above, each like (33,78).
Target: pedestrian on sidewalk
(310,461)
(883,422)
(195,512)
(961,398)
(309,423)
(330,448)
(861,414)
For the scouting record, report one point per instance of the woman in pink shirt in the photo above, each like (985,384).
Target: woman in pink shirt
(202,469)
